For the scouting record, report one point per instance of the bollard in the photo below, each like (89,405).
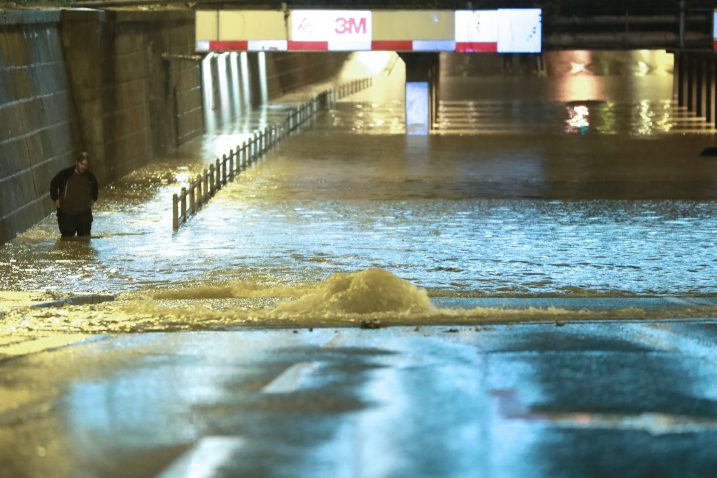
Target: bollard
(184,205)
(200,196)
(175,212)
(192,199)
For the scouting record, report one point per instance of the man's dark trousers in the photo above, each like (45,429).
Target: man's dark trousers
(71,224)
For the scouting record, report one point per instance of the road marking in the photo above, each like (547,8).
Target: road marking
(205,459)
(291,379)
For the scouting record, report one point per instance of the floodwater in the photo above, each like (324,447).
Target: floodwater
(571,177)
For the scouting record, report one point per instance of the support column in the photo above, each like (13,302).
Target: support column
(676,77)
(683,80)
(702,90)
(711,91)
(707,93)
(694,78)
(421,91)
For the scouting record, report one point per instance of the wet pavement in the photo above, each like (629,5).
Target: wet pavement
(575,399)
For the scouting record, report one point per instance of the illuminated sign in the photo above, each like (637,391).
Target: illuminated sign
(714,30)
(519,31)
(502,31)
(331,29)
(477,31)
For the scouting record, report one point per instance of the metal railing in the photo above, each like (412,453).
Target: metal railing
(204,186)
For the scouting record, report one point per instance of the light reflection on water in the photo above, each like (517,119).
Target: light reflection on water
(613,93)
(463,216)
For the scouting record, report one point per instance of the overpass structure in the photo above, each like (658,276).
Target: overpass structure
(418,36)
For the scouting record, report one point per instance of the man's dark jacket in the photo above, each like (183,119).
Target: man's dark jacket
(58,183)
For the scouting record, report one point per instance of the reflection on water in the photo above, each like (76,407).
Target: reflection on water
(605,93)
(514,214)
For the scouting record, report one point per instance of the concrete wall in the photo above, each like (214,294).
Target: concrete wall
(289,71)
(37,124)
(136,88)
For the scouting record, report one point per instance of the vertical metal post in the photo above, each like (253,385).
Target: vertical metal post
(210,178)
(224,169)
(184,204)
(175,212)
(192,198)
(218,177)
(231,164)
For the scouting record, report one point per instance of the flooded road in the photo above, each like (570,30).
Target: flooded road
(574,177)
(546,260)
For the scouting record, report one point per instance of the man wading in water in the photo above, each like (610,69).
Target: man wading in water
(74,191)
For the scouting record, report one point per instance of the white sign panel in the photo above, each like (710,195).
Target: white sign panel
(519,31)
(342,29)
(504,31)
(477,26)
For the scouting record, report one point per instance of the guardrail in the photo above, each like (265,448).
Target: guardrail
(202,188)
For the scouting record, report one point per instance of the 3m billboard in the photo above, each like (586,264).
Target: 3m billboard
(331,29)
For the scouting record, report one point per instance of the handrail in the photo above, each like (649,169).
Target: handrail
(201,189)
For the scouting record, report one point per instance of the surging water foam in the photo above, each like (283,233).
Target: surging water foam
(366,292)
(373,295)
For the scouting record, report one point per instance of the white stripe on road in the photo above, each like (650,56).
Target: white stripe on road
(205,459)
(291,379)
